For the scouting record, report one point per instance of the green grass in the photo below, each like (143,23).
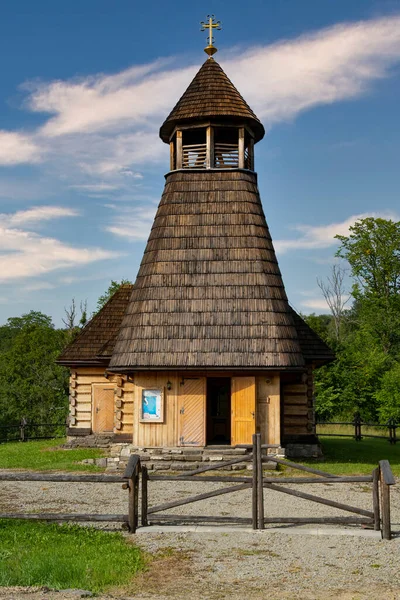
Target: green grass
(44,455)
(348,457)
(65,556)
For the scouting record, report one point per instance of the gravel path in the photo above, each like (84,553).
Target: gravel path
(233,564)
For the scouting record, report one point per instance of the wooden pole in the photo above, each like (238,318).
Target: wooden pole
(387,479)
(145,479)
(254,485)
(172,156)
(385,492)
(260,488)
(210,148)
(132,502)
(375,499)
(179,149)
(241,148)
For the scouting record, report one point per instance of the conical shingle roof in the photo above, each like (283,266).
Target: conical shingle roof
(211,94)
(209,293)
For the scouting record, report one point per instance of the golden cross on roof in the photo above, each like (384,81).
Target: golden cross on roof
(212,24)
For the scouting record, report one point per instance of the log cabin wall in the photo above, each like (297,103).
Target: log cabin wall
(297,391)
(85,385)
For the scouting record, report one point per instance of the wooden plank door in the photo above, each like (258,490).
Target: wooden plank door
(103,408)
(192,412)
(243,406)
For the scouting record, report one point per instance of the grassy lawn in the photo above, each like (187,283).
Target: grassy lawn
(348,457)
(65,556)
(44,455)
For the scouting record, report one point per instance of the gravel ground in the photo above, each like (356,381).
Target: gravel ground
(235,563)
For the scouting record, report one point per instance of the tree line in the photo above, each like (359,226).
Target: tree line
(32,385)
(363,328)
(365,377)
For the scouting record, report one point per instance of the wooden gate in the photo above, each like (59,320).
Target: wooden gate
(243,408)
(377,518)
(103,408)
(192,412)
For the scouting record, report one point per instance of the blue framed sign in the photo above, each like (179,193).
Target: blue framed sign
(152,406)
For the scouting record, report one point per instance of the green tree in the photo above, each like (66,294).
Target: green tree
(31,384)
(112,288)
(373,252)
(388,395)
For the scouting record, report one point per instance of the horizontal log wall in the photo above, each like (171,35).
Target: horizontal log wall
(82,382)
(298,406)
(127,402)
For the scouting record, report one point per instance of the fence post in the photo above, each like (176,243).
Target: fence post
(260,487)
(145,479)
(386,479)
(392,431)
(22,427)
(132,475)
(357,426)
(254,515)
(375,498)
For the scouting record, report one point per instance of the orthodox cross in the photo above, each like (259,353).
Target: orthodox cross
(212,24)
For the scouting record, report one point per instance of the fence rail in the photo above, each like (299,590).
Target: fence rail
(358,424)
(26,430)
(381,479)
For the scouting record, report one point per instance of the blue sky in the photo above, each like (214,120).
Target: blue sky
(86,86)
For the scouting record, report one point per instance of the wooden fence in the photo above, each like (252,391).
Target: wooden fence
(26,430)
(378,517)
(129,480)
(357,423)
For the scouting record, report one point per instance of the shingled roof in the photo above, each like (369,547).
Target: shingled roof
(209,293)
(95,343)
(89,350)
(312,346)
(211,94)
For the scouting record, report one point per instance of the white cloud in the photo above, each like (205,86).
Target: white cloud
(316,304)
(133,224)
(16,148)
(323,236)
(38,214)
(107,125)
(26,254)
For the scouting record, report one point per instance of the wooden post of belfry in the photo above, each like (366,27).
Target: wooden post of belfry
(241,148)
(145,479)
(210,163)
(375,499)
(179,149)
(260,487)
(254,485)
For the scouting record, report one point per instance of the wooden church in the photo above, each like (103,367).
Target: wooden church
(204,348)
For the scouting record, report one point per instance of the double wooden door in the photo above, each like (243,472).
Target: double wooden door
(192,411)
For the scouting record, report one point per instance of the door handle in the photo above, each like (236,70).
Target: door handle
(253,414)
(97,409)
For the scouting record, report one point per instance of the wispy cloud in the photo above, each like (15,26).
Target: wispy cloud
(26,254)
(106,125)
(17,148)
(38,214)
(323,236)
(134,224)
